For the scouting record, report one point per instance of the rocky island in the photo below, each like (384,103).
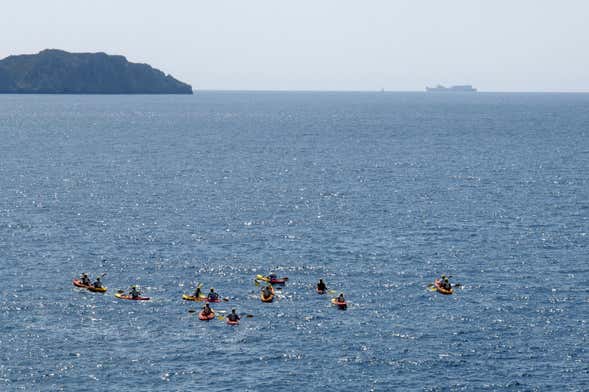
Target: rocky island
(53,71)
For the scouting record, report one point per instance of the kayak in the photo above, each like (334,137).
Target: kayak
(236,322)
(193,298)
(97,289)
(440,289)
(269,298)
(78,283)
(320,291)
(341,305)
(272,281)
(201,315)
(125,296)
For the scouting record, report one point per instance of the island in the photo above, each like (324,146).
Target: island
(452,89)
(53,71)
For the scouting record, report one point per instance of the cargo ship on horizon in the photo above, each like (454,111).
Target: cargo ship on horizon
(461,88)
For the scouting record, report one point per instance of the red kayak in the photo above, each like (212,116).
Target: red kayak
(202,316)
(212,300)
(320,291)
(78,283)
(278,280)
(125,296)
(236,322)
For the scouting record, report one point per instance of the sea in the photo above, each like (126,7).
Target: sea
(377,193)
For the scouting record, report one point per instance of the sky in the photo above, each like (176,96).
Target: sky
(404,45)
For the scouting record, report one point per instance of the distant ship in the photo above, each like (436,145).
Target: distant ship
(462,88)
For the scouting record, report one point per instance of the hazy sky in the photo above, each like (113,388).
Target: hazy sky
(496,45)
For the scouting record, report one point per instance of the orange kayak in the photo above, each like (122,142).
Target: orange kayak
(341,305)
(204,317)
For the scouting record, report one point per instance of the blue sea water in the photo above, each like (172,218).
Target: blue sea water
(378,193)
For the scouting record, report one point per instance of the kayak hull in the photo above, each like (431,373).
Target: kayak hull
(78,283)
(320,292)
(340,305)
(187,297)
(440,289)
(272,281)
(203,317)
(97,289)
(229,322)
(128,297)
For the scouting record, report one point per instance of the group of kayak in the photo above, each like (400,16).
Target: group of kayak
(267,293)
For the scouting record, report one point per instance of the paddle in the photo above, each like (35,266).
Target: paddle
(256,282)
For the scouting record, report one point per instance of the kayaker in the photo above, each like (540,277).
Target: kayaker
(206,310)
(233,316)
(267,291)
(341,298)
(321,285)
(85,279)
(445,283)
(272,277)
(212,295)
(197,292)
(134,293)
(98,283)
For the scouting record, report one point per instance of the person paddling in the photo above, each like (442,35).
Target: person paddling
(267,291)
(321,286)
(85,279)
(341,299)
(197,292)
(134,293)
(445,283)
(206,310)
(212,295)
(98,283)
(233,317)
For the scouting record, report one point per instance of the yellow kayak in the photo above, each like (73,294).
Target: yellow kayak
(97,289)
(187,297)
(270,298)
